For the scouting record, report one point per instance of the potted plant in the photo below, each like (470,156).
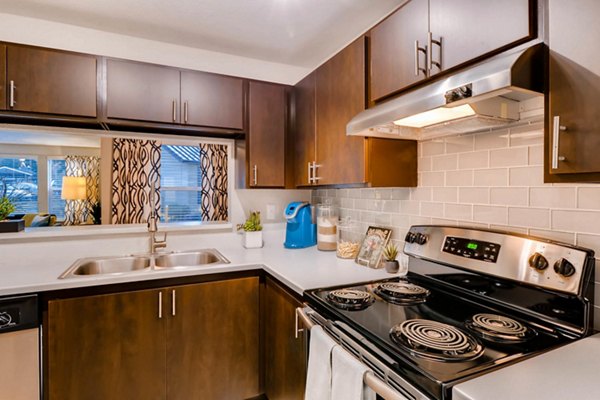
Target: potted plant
(6,208)
(252,231)
(390,253)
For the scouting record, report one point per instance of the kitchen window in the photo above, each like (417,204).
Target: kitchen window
(56,172)
(19,180)
(180,183)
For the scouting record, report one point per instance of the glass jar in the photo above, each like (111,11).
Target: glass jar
(348,240)
(327,219)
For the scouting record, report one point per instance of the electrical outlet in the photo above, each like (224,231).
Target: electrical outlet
(271,212)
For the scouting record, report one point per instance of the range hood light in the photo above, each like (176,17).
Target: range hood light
(436,116)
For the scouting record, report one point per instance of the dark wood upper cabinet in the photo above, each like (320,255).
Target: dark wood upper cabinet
(285,352)
(472,28)
(212,100)
(213,345)
(393,51)
(105,347)
(50,81)
(304,129)
(144,92)
(3,91)
(340,95)
(426,37)
(267,104)
(572,129)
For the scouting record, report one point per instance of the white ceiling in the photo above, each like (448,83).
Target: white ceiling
(295,32)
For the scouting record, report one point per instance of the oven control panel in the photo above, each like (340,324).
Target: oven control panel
(469,248)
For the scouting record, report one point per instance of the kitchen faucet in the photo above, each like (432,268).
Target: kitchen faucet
(155,243)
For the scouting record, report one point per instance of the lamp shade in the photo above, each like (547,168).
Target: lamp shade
(73,188)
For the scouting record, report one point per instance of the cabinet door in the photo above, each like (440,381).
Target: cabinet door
(305,128)
(142,92)
(285,354)
(473,28)
(340,96)
(392,44)
(266,135)
(3,92)
(106,347)
(212,100)
(213,340)
(574,88)
(51,82)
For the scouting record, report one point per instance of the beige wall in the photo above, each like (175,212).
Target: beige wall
(491,180)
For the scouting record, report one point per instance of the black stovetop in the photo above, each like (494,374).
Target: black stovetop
(442,305)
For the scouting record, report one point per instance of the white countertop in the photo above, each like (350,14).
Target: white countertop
(570,372)
(300,269)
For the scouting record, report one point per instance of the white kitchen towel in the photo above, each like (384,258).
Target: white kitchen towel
(347,382)
(318,380)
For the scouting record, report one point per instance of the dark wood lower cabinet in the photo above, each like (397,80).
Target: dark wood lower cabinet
(105,347)
(285,355)
(213,341)
(198,341)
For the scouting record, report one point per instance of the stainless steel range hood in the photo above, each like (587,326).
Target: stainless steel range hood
(487,95)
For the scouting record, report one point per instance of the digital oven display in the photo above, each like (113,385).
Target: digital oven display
(469,248)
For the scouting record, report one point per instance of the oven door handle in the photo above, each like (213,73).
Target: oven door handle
(370,379)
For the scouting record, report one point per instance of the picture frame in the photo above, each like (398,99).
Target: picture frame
(371,248)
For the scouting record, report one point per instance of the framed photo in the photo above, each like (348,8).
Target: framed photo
(372,246)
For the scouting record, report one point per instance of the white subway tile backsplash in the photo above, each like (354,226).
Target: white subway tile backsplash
(513,229)
(444,163)
(445,194)
(459,144)
(476,195)
(536,155)
(401,220)
(576,221)
(421,194)
(474,159)
(417,220)
(433,147)
(459,178)
(566,237)
(391,206)
(528,135)
(431,179)
(402,193)
(491,177)
(591,242)
(459,211)
(424,164)
(490,214)
(432,209)
(526,176)
(529,217)
(410,207)
(491,140)
(375,218)
(553,197)
(509,196)
(511,157)
(589,198)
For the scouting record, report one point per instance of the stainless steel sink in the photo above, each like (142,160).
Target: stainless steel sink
(190,259)
(141,263)
(108,266)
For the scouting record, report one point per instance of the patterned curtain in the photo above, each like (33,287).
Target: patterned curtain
(135,171)
(213,168)
(77,211)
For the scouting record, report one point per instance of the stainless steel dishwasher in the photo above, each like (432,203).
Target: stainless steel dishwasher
(19,348)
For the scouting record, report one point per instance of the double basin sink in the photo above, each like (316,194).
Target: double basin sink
(145,262)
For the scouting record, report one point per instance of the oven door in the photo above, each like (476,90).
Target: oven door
(381,379)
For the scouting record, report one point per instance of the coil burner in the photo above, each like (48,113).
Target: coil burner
(435,340)
(350,299)
(497,328)
(401,293)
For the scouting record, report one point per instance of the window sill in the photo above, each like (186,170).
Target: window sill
(92,231)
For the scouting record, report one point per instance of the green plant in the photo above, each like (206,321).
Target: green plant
(6,207)
(252,224)
(390,252)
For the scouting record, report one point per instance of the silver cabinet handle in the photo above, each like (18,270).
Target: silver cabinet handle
(173,302)
(185,112)
(309,173)
(174,110)
(297,328)
(315,177)
(556,129)
(418,68)
(255,174)
(430,43)
(12,101)
(159,305)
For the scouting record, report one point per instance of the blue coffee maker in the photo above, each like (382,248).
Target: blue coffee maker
(300,231)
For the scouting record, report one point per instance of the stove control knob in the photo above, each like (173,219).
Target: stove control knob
(538,262)
(421,239)
(410,237)
(564,268)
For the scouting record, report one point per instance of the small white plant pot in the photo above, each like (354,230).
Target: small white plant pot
(253,240)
